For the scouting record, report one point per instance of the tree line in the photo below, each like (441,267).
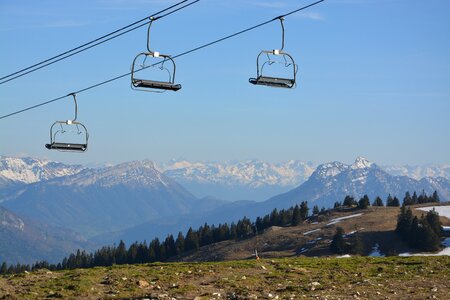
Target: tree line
(158,250)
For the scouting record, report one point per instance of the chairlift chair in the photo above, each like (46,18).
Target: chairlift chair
(57,131)
(288,61)
(153,85)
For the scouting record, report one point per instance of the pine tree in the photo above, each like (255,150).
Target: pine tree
(205,235)
(304,210)
(179,243)
(338,243)
(337,204)
(233,231)
(422,235)
(274,217)
(131,254)
(407,200)
(191,242)
(432,218)
(296,216)
(121,253)
(285,219)
(266,222)
(435,197)
(155,246)
(378,202)
(169,245)
(316,210)
(349,201)
(395,202)
(142,254)
(259,224)
(4,268)
(423,198)
(414,199)
(364,202)
(404,222)
(389,200)
(162,252)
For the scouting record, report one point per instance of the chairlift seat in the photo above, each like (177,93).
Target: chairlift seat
(273,81)
(152,84)
(67,147)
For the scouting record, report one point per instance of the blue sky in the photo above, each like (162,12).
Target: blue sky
(374,80)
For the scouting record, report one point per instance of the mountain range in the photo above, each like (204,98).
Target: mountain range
(236,180)
(96,201)
(139,201)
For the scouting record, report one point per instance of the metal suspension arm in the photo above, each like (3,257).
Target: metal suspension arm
(282,33)
(76,108)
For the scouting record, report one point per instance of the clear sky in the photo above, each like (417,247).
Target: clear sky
(374,80)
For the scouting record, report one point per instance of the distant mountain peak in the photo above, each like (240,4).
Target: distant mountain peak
(134,174)
(29,170)
(330,169)
(361,163)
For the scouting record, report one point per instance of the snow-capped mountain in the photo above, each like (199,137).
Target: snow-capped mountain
(419,172)
(252,173)
(250,179)
(29,170)
(133,174)
(331,182)
(257,180)
(96,201)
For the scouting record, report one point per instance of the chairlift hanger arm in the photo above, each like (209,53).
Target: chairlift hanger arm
(76,107)
(282,33)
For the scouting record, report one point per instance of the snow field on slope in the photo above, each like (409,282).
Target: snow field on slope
(443,211)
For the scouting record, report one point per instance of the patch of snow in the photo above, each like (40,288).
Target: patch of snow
(443,211)
(350,233)
(311,231)
(337,220)
(376,251)
(446,228)
(344,256)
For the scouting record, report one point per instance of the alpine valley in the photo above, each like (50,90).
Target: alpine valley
(140,200)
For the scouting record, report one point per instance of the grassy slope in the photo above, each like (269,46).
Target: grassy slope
(376,225)
(318,278)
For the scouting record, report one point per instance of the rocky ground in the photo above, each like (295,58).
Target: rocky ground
(284,278)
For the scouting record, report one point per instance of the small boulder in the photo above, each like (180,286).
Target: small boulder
(143,284)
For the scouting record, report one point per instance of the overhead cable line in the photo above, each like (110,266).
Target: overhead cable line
(176,56)
(95,42)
